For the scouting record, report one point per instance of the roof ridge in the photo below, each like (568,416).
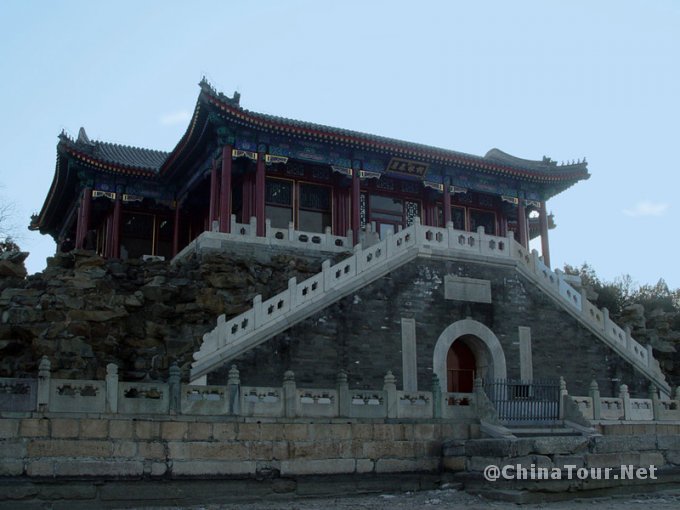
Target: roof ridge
(134,147)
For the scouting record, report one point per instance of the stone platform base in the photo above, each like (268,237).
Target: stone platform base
(24,494)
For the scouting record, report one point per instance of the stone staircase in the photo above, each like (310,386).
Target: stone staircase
(265,319)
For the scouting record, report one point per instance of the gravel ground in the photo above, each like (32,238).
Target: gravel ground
(448,499)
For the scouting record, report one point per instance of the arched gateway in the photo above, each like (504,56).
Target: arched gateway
(464,350)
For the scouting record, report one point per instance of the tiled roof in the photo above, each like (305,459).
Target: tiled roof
(134,157)
(119,156)
(494,160)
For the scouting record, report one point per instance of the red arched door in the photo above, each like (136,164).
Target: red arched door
(460,368)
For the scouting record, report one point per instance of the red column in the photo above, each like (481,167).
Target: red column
(79,224)
(356,197)
(522,223)
(225,190)
(343,212)
(447,203)
(338,195)
(108,250)
(212,213)
(543,221)
(175,231)
(85,216)
(503,224)
(115,238)
(246,211)
(259,195)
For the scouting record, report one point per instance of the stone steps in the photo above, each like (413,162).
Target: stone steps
(266,319)
(559,431)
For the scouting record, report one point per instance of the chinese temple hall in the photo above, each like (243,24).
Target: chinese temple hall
(129,202)
(432,282)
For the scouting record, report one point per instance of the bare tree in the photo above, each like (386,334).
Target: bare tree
(8,229)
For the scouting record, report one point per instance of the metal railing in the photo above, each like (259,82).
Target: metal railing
(519,401)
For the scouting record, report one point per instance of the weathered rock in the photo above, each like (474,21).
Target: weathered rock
(96,315)
(14,256)
(11,269)
(85,262)
(229,280)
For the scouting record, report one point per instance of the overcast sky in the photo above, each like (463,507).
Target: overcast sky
(555,78)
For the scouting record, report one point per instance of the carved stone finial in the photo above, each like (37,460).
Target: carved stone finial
(341,378)
(45,365)
(594,386)
(563,384)
(653,393)
(234,376)
(288,375)
(389,378)
(173,371)
(111,369)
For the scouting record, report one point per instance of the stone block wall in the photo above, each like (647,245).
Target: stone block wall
(110,447)
(617,444)
(361,334)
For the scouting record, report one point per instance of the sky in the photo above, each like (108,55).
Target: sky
(564,79)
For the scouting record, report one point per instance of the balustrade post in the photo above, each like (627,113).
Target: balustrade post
(417,231)
(534,265)
(257,310)
(656,403)
(564,395)
(291,231)
(478,393)
(597,402)
(233,224)
(676,397)
(343,393)
(44,376)
(253,226)
(292,291)
(234,391)
(358,262)
(175,388)
(111,388)
(268,228)
(290,394)
(390,389)
(450,234)
(328,239)
(326,274)
(389,244)
(650,354)
(584,303)
(629,338)
(481,245)
(436,397)
(605,320)
(625,399)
